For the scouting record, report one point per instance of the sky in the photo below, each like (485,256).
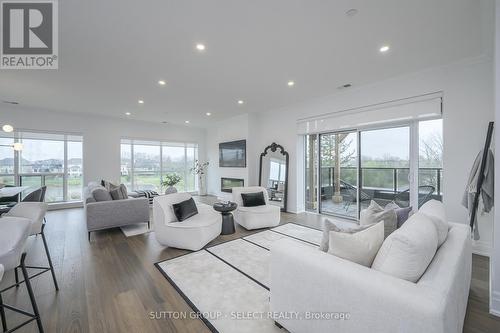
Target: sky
(395,141)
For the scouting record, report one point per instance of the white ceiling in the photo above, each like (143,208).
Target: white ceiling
(113,52)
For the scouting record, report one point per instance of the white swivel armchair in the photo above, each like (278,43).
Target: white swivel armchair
(255,217)
(191,234)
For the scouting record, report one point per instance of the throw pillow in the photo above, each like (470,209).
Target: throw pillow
(108,185)
(408,251)
(119,193)
(253,199)
(101,194)
(374,213)
(402,213)
(434,210)
(357,245)
(329,225)
(185,209)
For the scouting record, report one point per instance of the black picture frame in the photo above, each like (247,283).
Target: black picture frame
(238,146)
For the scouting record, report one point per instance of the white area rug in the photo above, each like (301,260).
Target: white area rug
(231,279)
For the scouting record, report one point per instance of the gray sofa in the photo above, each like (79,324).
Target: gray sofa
(113,213)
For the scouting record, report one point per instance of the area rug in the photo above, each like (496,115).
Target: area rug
(135,229)
(225,282)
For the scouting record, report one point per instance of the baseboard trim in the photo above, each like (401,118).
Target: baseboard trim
(481,248)
(495,303)
(65,205)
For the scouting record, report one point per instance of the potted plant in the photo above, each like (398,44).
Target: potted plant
(170,181)
(199,169)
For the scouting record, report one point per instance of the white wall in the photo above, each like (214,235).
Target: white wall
(495,257)
(236,128)
(468,107)
(101,135)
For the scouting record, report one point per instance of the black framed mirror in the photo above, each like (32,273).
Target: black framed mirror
(273,174)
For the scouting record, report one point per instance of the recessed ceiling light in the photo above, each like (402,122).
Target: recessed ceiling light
(291,83)
(208,114)
(128,113)
(7,128)
(187,121)
(240,102)
(384,48)
(140,101)
(352,12)
(164,122)
(200,47)
(162,82)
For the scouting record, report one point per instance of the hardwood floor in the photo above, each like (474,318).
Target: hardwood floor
(111,284)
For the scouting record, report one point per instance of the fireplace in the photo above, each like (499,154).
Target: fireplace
(227,184)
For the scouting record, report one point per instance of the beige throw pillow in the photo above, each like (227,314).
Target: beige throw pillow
(359,245)
(374,213)
(408,251)
(434,210)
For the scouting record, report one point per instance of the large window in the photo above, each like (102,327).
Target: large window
(395,163)
(144,164)
(47,159)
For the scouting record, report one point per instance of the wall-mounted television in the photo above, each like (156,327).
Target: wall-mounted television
(233,154)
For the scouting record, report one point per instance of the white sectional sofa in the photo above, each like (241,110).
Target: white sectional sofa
(305,280)
(191,234)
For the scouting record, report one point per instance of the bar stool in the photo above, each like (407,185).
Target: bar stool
(14,232)
(35,212)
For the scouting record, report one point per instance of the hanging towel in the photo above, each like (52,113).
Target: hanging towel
(486,190)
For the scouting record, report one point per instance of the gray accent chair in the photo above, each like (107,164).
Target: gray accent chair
(102,215)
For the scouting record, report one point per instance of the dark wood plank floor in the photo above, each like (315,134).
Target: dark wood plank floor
(111,284)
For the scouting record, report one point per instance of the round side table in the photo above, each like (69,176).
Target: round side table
(227,216)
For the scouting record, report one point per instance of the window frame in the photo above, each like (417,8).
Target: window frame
(160,145)
(66,137)
(414,156)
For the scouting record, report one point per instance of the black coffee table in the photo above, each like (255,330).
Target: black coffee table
(227,216)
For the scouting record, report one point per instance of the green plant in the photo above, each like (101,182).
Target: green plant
(171,179)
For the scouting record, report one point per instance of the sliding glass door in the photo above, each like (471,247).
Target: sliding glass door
(338,173)
(385,166)
(345,171)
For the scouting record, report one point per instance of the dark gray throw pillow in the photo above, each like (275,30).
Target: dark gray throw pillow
(108,185)
(253,199)
(402,213)
(119,193)
(185,209)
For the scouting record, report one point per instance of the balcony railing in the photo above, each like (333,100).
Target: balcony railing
(378,183)
(59,187)
(395,179)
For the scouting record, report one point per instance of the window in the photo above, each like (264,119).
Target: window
(7,173)
(145,163)
(47,159)
(430,162)
(386,171)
